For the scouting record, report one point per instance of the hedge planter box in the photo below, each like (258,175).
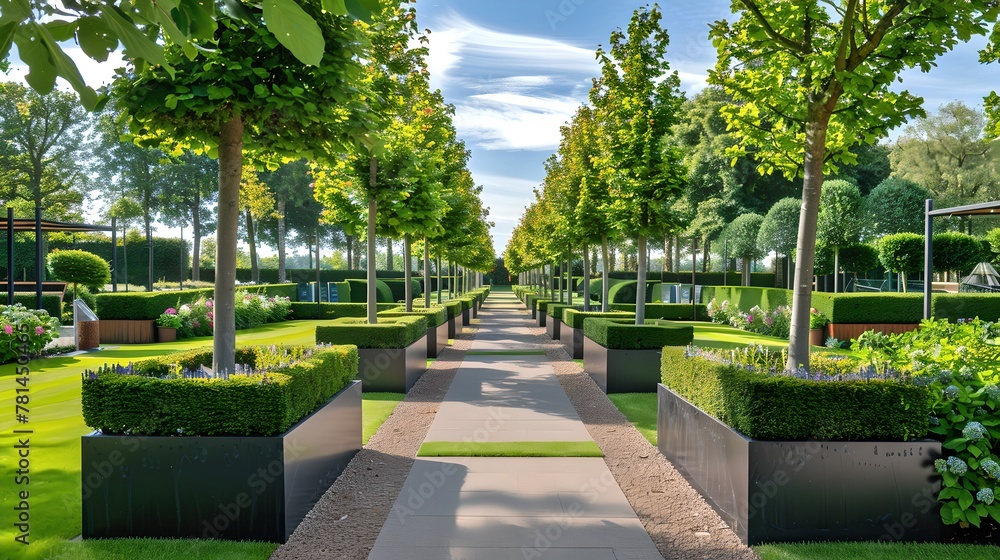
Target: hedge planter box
(790,491)
(437,340)
(437,326)
(392,355)
(571,330)
(572,340)
(622,357)
(553,326)
(232,488)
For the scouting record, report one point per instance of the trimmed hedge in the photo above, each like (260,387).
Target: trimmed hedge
(747,297)
(145,404)
(787,408)
(669,311)
(308,310)
(436,316)
(296,275)
(759,279)
(555,310)
(149,305)
(453,307)
(625,291)
(467,302)
(870,308)
(543,304)
(623,335)
(359,291)
(398,288)
(575,318)
(52,303)
(531,300)
(395,332)
(968,305)
(289,291)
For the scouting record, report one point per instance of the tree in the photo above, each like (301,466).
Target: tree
(257,203)
(870,168)
(290,184)
(902,253)
(249,96)
(637,100)
(187,190)
(895,206)
(950,155)
(741,235)
(838,223)
(812,78)
(144,27)
(858,257)
(993,242)
(41,145)
(958,252)
(780,228)
(80,267)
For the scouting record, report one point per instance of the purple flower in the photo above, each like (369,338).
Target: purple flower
(749,318)
(39,330)
(171,311)
(768,321)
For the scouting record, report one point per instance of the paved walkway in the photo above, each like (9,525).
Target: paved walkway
(486,508)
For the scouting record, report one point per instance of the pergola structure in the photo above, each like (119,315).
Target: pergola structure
(981,209)
(38,225)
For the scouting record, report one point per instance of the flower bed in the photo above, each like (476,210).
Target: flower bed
(24,331)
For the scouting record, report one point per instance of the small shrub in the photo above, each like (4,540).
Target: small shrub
(623,334)
(394,332)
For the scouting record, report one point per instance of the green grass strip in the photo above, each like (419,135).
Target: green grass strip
(505,352)
(165,549)
(879,550)
(375,409)
(640,409)
(510,449)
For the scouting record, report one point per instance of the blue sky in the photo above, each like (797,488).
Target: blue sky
(516,70)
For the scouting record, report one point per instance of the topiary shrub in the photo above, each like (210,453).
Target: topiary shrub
(574,318)
(311,310)
(669,311)
(625,335)
(80,267)
(436,316)
(394,332)
(159,398)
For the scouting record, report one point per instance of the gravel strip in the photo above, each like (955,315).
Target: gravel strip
(345,522)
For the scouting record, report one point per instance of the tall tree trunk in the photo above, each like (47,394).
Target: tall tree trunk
(439,278)
(569,279)
(388,254)
(372,304)
(427,273)
(668,265)
(350,252)
(836,269)
(196,235)
(252,241)
(604,274)
(149,255)
(705,255)
(408,273)
(677,254)
(640,288)
(812,183)
(745,270)
(282,275)
(586,277)
(230,171)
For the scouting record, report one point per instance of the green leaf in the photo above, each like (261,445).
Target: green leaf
(975,451)
(7,37)
(136,43)
(66,68)
(61,30)
(295,29)
(235,9)
(364,10)
(41,73)
(965,498)
(14,10)
(96,39)
(335,7)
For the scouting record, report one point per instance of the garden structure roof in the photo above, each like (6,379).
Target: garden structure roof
(980,209)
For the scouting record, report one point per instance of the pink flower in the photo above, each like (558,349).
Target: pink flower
(171,311)
(195,324)
(210,315)
(749,318)
(208,303)
(8,329)
(39,330)
(768,321)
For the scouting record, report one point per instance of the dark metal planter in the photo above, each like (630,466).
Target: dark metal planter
(541,318)
(232,488)
(572,340)
(552,326)
(789,491)
(475,308)
(466,317)
(621,371)
(453,329)
(392,370)
(437,339)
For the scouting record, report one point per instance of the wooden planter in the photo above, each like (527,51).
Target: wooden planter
(847,331)
(121,331)
(232,488)
(791,491)
(166,334)
(572,340)
(392,370)
(437,339)
(816,337)
(621,371)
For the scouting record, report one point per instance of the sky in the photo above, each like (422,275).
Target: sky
(517,70)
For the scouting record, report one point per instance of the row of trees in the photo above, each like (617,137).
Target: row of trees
(803,89)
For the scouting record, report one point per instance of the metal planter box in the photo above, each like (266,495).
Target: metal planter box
(392,370)
(466,317)
(790,491)
(453,328)
(621,371)
(572,341)
(437,339)
(552,326)
(232,488)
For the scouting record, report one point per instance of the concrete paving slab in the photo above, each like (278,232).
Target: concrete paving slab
(497,553)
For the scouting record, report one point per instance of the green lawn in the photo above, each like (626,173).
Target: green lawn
(375,408)
(55,418)
(876,551)
(161,549)
(640,409)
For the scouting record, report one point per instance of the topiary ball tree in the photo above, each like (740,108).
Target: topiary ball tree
(80,267)
(902,252)
(958,252)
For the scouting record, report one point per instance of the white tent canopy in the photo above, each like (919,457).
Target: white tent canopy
(984,275)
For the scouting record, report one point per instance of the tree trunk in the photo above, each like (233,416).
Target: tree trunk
(604,274)
(388,253)
(372,305)
(812,183)
(705,255)
(427,274)
(586,278)
(640,288)
(439,279)
(149,255)
(230,171)
(282,275)
(677,254)
(252,241)
(408,273)
(196,235)
(745,270)
(668,265)
(350,252)
(569,279)
(836,269)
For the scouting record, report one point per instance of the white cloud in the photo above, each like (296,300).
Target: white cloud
(510,121)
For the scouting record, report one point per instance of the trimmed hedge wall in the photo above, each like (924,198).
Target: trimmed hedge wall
(961,306)
(745,298)
(398,288)
(453,307)
(575,318)
(436,316)
(52,303)
(759,279)
(555,310)
(625,291)
(787,408)
(395,332)
(359,291)
(240,406)
(467,302)
(149,305)
(624,335)
(308,310)
(296,275)
(669,311)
